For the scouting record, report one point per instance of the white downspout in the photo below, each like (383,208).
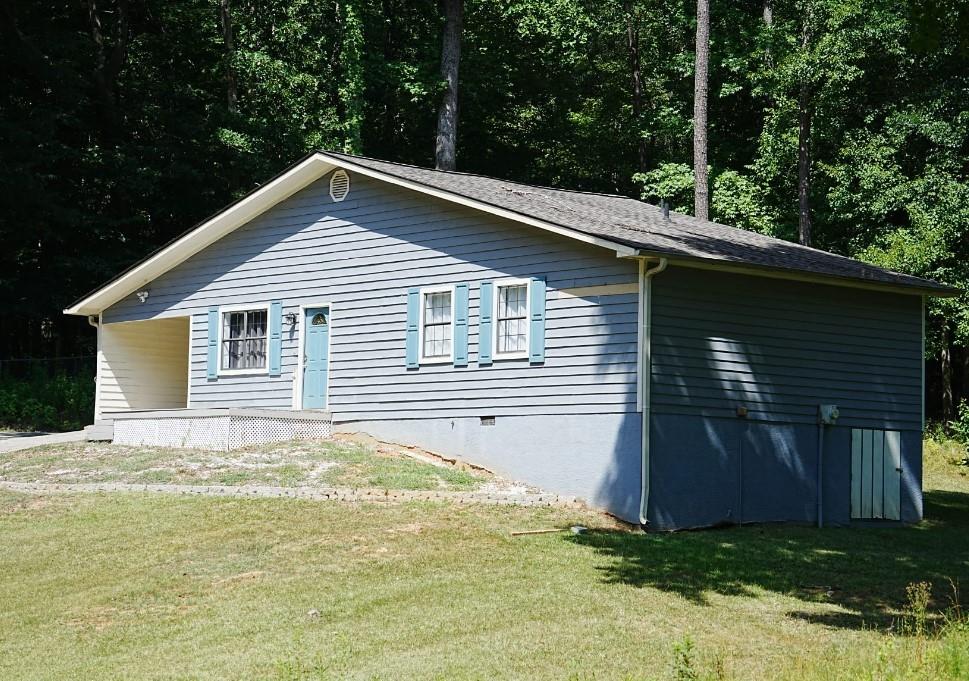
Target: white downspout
(645,361)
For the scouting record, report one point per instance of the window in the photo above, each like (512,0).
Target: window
(511,316)
(244,339)
(437,324)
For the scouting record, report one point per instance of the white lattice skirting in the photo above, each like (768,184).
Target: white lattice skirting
(223,429)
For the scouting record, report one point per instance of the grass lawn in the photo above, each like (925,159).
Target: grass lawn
(330,463)
(153,586)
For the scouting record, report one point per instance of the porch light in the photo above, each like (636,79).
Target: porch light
(291,318)
(142,295)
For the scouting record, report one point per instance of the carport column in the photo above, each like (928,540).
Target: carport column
(645,371)
(97,366)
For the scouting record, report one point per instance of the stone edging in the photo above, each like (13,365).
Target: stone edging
(314,493)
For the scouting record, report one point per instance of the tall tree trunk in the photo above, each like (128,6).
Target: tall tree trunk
(348,63)
(632,43)
(108,63)
(945,367)
(767,12)
(804,115)
(447,115)
(228,51)
(701,191)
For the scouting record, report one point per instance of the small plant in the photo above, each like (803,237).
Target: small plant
(684,661)
(959,427)
(919,594)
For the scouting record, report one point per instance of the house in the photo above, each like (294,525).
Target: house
(673,371)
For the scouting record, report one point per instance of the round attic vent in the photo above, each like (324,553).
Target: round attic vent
(339,185)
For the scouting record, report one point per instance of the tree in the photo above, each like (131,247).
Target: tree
(231,84)
(447,116)
(701,77)
(804,116)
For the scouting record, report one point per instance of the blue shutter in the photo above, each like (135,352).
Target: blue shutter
(213,363)
(484,323)
(413,320)
(461,325)
(536,331)
(275,338)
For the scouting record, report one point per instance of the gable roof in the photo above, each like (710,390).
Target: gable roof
(627,226)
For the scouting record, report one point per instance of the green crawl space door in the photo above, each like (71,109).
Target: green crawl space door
(316,357)
(876,474)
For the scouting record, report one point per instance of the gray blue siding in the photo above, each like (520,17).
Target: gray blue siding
(779,349)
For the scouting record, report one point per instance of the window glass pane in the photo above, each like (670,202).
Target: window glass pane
(256,323)
(234,325)
(512,319)
(232,354)
(255,354)
(244,339)
(437,324)
(512,301)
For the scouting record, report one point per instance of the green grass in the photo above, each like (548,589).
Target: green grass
(152,586)
(322,463)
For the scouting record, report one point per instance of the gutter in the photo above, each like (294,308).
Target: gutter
(646,275)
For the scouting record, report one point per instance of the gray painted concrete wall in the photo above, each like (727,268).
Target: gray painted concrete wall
(779,349)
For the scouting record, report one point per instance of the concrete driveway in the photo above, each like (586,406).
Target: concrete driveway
(13,441)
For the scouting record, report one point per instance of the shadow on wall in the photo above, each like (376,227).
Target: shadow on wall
(863,571)
(738,371)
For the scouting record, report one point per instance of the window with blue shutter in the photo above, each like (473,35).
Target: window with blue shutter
(413,325)
(213,347)
(461,325)
(536,331)
(485,303)
(275,338)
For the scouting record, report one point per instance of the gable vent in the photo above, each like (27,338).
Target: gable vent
(339,185)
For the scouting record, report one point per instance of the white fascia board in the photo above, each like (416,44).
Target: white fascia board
(266,197)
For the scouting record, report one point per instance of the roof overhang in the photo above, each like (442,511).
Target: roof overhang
(798,275)
(298,176)
(317,164)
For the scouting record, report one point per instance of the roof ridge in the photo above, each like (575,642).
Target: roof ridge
(486,177)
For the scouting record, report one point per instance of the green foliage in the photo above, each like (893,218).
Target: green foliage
(739,201)
(102,164)
(671,182)
(57,404)
(960,426)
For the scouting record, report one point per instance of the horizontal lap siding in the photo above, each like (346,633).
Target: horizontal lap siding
(143,365)
(362,255)
(778,348)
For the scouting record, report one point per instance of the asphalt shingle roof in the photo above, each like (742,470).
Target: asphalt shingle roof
(643,226)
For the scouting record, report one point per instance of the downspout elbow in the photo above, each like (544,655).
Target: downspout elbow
(94,320)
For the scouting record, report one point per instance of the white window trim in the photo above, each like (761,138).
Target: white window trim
(243,308)
(448,359)
(496,296)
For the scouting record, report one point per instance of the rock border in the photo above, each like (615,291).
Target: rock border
(314,493)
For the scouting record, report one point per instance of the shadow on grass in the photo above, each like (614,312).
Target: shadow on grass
(863,570)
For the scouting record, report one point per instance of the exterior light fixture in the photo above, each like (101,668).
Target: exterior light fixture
(142,295)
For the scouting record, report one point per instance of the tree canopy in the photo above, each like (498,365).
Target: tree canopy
(125,122)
